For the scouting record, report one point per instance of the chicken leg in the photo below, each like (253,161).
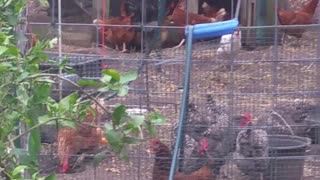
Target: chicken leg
(124,48)
(180,44)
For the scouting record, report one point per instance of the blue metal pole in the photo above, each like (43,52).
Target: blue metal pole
(184,101)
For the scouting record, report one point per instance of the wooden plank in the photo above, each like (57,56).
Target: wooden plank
(193,6)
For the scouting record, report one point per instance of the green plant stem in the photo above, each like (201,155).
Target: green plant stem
(45,122)
(34,127)
(74,84)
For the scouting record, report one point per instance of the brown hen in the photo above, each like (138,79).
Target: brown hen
(118,36)
(179,18)
(82,137)
(302,17)
(162,164)
(166,34)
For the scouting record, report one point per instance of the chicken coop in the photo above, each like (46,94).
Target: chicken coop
(241,105)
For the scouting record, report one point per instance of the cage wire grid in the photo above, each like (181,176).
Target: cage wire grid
(261,81)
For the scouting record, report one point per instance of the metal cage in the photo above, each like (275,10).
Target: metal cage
(274,81)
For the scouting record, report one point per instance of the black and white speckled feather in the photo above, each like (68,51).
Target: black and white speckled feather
(286,118)
(212,123)
(252,151)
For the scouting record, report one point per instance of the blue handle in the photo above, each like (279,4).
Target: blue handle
(202,31)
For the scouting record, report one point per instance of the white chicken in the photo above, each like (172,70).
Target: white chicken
(225,43)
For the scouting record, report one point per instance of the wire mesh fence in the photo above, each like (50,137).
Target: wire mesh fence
(252,106)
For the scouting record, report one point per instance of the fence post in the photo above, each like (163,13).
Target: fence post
(185,97)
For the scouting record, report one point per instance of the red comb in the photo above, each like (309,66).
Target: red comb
(64,167)
(247,116)
(104,66)
(154,141)
(204,145)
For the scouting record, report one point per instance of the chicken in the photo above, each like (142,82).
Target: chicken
(209,11)
(210,126)
(225,43)
(83,137)
(252,151)
(152,8)
(123,11)
(302,17)
(179,18)
(32,39)
(163,158)
(204,173)
(286,118)
(214,5)
(150,33)
(118,36)
(162,164)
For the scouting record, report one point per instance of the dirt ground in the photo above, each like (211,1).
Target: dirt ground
(256,78)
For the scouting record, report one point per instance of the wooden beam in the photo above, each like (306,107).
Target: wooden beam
(193,6)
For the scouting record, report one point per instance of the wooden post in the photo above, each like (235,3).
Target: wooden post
(97,8)
(193,6)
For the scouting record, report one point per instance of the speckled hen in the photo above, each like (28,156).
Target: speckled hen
(252,151)
(209,126)
(286,118)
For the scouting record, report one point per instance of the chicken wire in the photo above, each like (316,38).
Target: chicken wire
(264,74)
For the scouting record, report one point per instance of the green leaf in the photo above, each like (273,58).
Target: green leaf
(22,95)
(130,140)
(104,89)
(42,93)
(129,76)
(68,101)
(152,131)
(22,76)
(34,144)
(156,118)
(130,128)
(108,127)
(117,114)
(44,3)
(137,120)
(3,50)
(113,73)
(43,118)
(53,42)
(106,79)
(13,115)
(98,158)
(51,177)
(12,20)
(123,91)
(66,123)
(91,83)
(63,63)
(19,169)
(6,40)
(14,51)
(114,139)
(7,3)
(5,66)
